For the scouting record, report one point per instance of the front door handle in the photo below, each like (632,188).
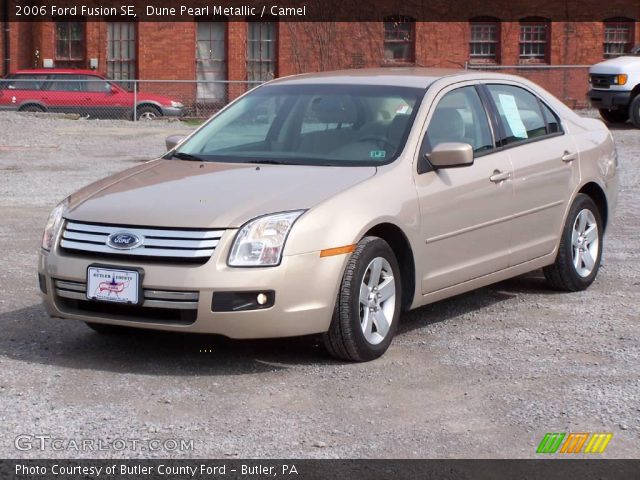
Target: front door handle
(568,156)
(499,176)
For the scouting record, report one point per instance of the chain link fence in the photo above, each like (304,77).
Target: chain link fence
(136,100)
(570,83)
(93,97)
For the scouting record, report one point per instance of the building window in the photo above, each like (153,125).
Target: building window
(121,51)
(211,61)
(618,37)
(261,51)
(484,41)
(399,39)
(70,44)
(534,41)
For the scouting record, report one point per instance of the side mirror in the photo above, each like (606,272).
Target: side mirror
(173,140)
(112,89)
(451,155)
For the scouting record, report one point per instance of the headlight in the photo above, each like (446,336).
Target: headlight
(620,79)
(53,225)
(176,104)
(260,242)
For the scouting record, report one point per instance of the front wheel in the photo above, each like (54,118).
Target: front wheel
(147,113)
(614,116)
(580,250)
(368,305)
(634,111)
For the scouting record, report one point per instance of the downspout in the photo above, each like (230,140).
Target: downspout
(6,55)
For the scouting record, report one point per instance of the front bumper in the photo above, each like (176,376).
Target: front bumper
(173,111)
(305,287)
(609,99)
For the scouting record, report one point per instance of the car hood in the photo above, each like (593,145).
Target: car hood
(184,194)
(616,65)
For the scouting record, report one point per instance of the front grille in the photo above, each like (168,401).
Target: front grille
(156,243)
(601,81)
(159,306)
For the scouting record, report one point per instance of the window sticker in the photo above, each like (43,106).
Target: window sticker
(512,115)
(402,109)
(377,153)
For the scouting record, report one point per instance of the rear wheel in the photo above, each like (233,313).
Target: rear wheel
(32,108)
(580,250)
(368,305)
(614,116)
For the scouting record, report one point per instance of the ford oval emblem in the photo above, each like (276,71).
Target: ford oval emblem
(124,241)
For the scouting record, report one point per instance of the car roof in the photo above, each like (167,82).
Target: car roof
(57,71)
(418,77)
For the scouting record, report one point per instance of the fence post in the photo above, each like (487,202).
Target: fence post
(135,100)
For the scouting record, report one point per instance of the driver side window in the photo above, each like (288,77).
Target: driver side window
(460,117)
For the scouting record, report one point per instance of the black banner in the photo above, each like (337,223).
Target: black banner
(317,10)
(321,469)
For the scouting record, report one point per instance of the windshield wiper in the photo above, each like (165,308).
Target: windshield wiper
(268,162)
(187,156)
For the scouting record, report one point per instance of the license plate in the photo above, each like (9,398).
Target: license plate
(112,285)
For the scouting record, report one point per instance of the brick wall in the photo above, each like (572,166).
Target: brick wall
(167,50)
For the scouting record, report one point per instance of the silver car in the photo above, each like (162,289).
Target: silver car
(328,203)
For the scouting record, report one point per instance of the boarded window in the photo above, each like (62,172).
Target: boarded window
(211,61)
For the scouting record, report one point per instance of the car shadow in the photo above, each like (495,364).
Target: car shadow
(31,336)
(621,126)
(454,307)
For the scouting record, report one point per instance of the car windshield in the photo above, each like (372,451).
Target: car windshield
(309,125)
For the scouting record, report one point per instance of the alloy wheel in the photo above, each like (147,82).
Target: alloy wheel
(377,300)
(585,242)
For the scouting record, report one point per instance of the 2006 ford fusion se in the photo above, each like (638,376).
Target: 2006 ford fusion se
(327,203)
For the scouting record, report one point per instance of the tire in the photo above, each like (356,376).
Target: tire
(32,108)
(579,255)
(634,111)
(147,113)
(106,329)
(346,338)
(614,116)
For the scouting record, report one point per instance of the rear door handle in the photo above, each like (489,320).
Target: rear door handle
(499,176)
(568,156)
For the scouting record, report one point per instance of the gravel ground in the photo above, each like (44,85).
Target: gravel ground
(484,374)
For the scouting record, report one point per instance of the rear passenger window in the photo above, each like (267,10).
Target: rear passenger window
(520,113)
(553,122)
(25,82)
(68,83)
(460,117)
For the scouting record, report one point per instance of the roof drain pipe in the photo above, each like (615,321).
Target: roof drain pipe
(6,54)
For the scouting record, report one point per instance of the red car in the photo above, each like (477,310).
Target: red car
(80,91)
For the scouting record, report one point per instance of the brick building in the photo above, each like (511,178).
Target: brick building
(254,51)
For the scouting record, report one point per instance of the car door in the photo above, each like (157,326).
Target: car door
(97,96)
(545,167)
(65,93)
(105,99)
(464,211)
